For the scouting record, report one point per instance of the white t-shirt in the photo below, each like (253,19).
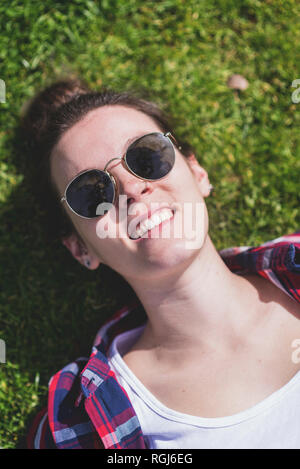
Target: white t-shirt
(272,423)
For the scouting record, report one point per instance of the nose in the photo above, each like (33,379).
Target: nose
(130,185)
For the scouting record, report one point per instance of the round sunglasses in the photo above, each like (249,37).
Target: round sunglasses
(150,157)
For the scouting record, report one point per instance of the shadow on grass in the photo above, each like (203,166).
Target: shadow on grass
(52,307)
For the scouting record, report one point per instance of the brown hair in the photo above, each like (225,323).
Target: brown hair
(52,112)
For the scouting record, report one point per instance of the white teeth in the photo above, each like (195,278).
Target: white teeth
(156,219)
(164,216)
(153,221)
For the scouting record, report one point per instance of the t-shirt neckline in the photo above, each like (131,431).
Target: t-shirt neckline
(131,336)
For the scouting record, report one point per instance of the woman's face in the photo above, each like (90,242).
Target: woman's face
(103,134)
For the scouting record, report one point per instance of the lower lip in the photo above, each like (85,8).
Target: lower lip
(155,231)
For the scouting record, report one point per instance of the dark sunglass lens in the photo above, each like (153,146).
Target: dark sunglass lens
(88,191)
(151,157)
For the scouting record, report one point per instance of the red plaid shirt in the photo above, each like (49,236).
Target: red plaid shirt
(88,408)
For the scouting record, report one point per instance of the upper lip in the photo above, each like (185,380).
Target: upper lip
(145,216)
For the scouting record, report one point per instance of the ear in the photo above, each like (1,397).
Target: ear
(200,175)
(80,252)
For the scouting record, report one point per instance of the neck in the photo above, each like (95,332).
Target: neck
(202,306)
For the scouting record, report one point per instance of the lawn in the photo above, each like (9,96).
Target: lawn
(180,53)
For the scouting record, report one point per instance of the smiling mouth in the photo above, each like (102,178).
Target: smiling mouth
(149,223)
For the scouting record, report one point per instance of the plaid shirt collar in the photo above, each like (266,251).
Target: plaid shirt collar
(87,407)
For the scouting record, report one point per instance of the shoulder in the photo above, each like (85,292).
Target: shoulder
(279,326)
(277,261)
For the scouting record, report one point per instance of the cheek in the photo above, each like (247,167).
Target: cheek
(183,180)
(91,231)
(106,228)
(113,224)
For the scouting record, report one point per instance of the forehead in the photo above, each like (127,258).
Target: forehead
(102,134)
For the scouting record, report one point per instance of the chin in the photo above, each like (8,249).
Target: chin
(172,255)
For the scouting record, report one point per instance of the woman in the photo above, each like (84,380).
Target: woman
(204,358)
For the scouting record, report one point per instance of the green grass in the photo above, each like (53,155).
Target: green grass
(183,52)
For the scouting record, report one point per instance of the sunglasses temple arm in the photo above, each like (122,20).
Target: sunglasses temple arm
(173,139)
